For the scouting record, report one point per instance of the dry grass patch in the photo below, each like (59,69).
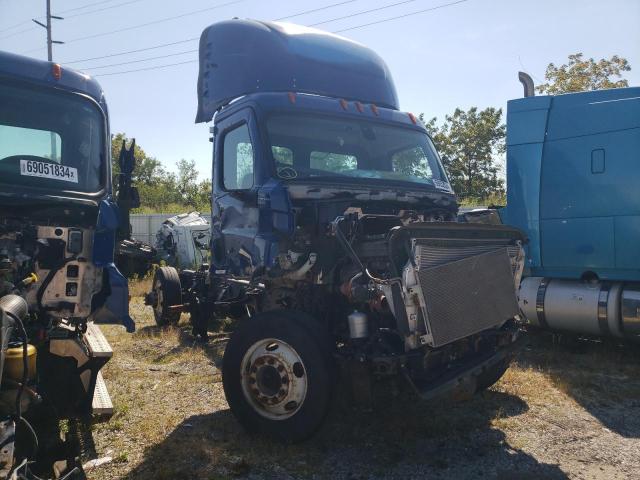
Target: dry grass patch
(139,286)
(556,413)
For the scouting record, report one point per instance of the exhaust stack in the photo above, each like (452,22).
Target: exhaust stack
(527,83)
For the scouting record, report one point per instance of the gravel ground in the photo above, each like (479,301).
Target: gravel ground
(569,410)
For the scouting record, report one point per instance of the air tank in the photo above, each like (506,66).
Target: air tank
(583,307)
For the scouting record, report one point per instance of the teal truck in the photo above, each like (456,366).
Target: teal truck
(573,173)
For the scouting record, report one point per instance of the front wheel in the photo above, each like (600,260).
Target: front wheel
(276,375)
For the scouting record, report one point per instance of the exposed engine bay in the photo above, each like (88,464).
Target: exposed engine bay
(52,351)
(405,295)
(396,294)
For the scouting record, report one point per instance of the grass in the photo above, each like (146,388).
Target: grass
(172,208)
(494,199)
(557,411)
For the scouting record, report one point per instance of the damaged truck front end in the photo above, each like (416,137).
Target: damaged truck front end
(57,277)
(333,237)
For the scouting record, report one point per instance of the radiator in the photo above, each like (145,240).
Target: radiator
(467,286)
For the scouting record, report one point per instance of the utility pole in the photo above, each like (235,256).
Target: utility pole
(50,42)
(47,27)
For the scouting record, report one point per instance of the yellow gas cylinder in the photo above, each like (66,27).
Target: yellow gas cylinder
(13,365)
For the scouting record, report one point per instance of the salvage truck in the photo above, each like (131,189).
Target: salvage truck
(58,225)
(334,243)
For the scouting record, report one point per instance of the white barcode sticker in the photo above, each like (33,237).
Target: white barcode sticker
(33,168)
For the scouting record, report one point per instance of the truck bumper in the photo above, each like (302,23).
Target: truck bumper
(464,380)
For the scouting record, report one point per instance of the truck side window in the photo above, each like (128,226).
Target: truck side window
(237,168)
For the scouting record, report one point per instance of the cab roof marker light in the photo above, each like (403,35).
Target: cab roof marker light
(292,97)
(374,109)
(359,107)
(412,117)
(344,104)
(56,71)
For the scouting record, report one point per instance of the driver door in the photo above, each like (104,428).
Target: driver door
(235,205)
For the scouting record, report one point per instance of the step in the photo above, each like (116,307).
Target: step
(96,342)
(102,405)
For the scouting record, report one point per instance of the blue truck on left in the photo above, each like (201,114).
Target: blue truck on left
(58,226)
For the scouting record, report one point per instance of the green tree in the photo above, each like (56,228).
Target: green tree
(159,189)
(579,75)
(203,196)
(147,170)
(470,142)
(188,182)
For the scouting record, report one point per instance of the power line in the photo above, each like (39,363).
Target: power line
(314,10)
(86,6)
(101,9)
(153,47)
(336,31)
(401,16)
(154,22)
(141,60)
(68,16)
(357,14)
(147,68)
(18,32)
(133,51)
(26,22)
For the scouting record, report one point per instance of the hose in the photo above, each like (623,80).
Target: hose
(354,256)
(25,376)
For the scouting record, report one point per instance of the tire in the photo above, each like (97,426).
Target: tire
(168,292)
(490,376)
(276,374)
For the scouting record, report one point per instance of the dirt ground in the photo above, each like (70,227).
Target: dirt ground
(568,410)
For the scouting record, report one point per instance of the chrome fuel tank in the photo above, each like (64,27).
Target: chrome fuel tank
(591,308)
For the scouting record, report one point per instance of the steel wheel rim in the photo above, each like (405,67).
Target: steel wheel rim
(273,378)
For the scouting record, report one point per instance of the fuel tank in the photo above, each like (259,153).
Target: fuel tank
(584,307)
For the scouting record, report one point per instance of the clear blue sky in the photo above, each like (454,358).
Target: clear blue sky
(458,56)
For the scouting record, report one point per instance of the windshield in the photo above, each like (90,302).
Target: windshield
(320,147)
(50,140)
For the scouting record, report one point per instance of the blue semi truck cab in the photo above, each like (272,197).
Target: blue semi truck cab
(333,241)
(58,224)
(573,170)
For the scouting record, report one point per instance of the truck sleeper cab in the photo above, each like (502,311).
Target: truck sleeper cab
(333,241)
(58,280)
(573,173)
